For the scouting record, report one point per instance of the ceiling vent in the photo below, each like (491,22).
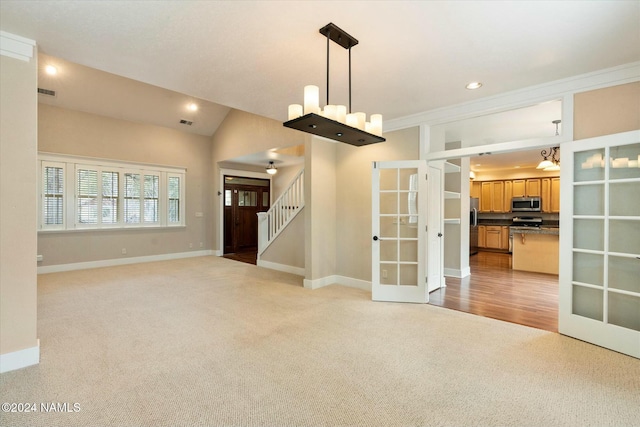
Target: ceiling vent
(47,92)
(185,122)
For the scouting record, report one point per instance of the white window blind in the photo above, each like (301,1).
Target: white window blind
(151,187)
(110,191)
(132,193)
(87,196)
(174,206)
(52,195)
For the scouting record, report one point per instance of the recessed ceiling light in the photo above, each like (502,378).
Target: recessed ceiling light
(517,167)
(192,107)
(51,70)
(474,85)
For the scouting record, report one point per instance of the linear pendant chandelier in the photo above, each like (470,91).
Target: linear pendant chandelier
(335,121)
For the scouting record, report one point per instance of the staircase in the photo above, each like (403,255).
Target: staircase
(281,213)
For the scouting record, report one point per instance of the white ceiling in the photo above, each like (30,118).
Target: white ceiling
(256,56)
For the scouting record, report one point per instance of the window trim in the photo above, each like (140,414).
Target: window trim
(71,164)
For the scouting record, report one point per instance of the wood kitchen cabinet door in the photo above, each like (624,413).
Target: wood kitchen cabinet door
(482,236)
(485,200)
(519,188)
(504,238)
(476,189)
(497,196)
(494,234)
(533,187)
(555,195)
(545,194)
(508,194)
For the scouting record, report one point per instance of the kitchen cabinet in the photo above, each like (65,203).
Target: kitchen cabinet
(476,189)
(545,195)
(533,187)
(508,194)
(519,188)
(555,195)
(535,252)
(485,198)
(504,237)
(482,236)
(526,187)
(550,195)
(497,196)
(492,196)
(494,237)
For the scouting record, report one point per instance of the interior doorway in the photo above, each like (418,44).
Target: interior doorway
(508,145)
(243,199)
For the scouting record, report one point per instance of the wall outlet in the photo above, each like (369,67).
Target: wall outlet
(39,258)
(191,245)
(124,251)
(201,245)
(384,274)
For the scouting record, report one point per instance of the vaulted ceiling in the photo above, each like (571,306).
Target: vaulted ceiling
(257,56)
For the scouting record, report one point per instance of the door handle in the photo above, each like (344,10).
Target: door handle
(439,234)
(375,238)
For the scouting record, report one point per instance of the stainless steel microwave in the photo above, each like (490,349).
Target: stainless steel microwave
(525,204)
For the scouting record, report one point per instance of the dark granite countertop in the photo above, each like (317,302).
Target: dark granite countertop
(534,230)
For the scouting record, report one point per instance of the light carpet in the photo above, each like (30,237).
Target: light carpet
(213,342)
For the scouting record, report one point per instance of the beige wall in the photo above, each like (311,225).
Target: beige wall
(288,247)
(18,210)
(76,133)
(241,134)
(283,178)
(353,197)
(606,111)
(320,208)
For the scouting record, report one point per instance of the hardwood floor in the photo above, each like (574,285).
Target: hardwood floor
(494,290)
(248,257)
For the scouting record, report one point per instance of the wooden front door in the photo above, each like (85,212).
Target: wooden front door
(243,199)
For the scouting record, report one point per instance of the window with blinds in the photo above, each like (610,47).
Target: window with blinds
(110,191)
(174,199)
(103,194)
(151,188)
(87,196)
(132,198)
(52,195)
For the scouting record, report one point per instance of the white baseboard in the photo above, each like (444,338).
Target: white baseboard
(281,267)
(354,283)
(321,282)
(120,261)
(338,280)
(218,252)
(453,272)
(20,359)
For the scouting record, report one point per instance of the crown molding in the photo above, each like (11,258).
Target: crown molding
(16,47)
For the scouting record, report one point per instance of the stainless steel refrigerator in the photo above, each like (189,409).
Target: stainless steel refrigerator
(473,226)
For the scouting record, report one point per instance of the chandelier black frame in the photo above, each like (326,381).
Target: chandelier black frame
(323,126)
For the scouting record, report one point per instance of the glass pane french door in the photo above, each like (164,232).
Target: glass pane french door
(398,225)
(600,242)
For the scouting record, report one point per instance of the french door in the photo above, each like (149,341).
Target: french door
(600,242)
(399,231)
